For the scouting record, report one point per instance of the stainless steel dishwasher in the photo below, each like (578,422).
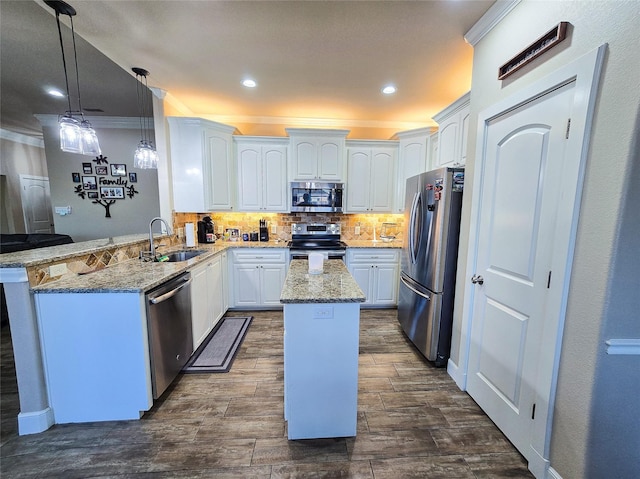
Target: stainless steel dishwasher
(169,326)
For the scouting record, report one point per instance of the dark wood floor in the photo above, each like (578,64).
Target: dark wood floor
(413,422)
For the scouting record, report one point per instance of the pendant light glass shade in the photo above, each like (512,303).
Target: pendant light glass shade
(146,156)
(76,136)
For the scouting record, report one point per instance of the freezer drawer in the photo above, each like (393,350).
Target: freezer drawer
(420,315)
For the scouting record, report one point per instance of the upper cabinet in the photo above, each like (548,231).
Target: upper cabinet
(370,175)
(316,154)
(262,173)
(453,130)
(202,166)
(414,157)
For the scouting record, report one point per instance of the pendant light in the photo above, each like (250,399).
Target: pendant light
(76,134)
(146,156)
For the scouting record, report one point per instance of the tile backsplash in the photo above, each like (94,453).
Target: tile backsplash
(370,225)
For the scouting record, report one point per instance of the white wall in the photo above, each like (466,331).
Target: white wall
(118,138)
(19,155)
(592,315)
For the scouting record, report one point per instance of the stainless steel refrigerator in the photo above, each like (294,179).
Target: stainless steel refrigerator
(429,258)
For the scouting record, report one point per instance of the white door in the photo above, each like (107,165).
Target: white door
(36,204)
(523,164)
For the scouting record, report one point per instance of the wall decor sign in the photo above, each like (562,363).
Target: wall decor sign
(102,189)
(537,48)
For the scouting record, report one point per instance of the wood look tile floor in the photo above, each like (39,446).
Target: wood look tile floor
(413,422)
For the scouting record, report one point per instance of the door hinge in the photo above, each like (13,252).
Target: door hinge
(549,280)
(533,411)
(568,128)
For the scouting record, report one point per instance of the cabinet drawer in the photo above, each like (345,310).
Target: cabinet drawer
(252,255)
(373,255)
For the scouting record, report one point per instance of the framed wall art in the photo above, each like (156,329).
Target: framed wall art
(101,170)
(133,177)
(92,195)
(112,192)
(87,168)
(89,183)
(75,177)
(118,169)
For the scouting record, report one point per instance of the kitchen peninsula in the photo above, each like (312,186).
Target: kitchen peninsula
(321,340)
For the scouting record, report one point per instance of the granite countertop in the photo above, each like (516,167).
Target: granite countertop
(334,285)
(396,244)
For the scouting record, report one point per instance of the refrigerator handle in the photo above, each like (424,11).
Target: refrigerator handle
(419,293)
(412,227)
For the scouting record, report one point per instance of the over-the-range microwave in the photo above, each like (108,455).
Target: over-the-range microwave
(316,197)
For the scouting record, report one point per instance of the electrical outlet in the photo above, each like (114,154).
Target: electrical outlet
(57,269)
(274,229)
(357,230)
(323,312)
(220,229)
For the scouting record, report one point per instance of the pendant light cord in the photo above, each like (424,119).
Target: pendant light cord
(75,57)
(64,61)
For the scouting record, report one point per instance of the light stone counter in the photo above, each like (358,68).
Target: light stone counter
(334,285)
(373,244)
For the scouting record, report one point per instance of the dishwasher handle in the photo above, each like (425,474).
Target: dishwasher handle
(169,294)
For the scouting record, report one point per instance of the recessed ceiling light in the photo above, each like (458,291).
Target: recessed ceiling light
(389,89)
(55,92)
(249,83)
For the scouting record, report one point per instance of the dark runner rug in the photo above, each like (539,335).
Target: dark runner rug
(218,350)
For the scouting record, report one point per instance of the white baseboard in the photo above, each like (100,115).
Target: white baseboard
(457,375)
(35,422)
(553,474)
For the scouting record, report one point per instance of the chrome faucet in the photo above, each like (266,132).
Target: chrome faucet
(152,248)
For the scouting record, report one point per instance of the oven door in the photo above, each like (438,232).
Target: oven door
(328,254)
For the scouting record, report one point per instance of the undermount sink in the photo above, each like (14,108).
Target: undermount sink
(176,256)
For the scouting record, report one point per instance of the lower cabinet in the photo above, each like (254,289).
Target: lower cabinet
(376,271)
(258,275)
(208,297)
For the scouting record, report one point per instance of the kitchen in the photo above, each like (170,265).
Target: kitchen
(581,390)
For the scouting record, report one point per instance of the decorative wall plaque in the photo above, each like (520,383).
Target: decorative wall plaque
(537,48)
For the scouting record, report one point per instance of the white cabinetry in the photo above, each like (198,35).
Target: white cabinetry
(413,158)
(258,275)
(202,171)
(453,130)
(376,270)
(207,298)
(262,173)
(370,178)
(316,154)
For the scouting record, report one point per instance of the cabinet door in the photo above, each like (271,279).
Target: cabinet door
(249,178)
(381,179)
(246,285)
(358,165)
(329,160)
(224,264)
(200,305)
(385,290)
(464,131)
(187,171)
(363,274)
(271,282)
(216,290)
(411,161)
(220,172)
(448,142)
(305,158)
(274,188)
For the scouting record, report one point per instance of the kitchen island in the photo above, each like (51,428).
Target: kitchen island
(321,341)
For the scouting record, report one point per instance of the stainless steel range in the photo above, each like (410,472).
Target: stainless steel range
(316,238)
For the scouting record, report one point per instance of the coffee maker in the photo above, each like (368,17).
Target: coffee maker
(264,233)
(205,231)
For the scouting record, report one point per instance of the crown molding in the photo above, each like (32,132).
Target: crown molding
(121,122)
(489,20)
(20,138)
(460,103)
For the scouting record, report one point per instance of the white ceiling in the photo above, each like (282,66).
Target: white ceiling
(317,63)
